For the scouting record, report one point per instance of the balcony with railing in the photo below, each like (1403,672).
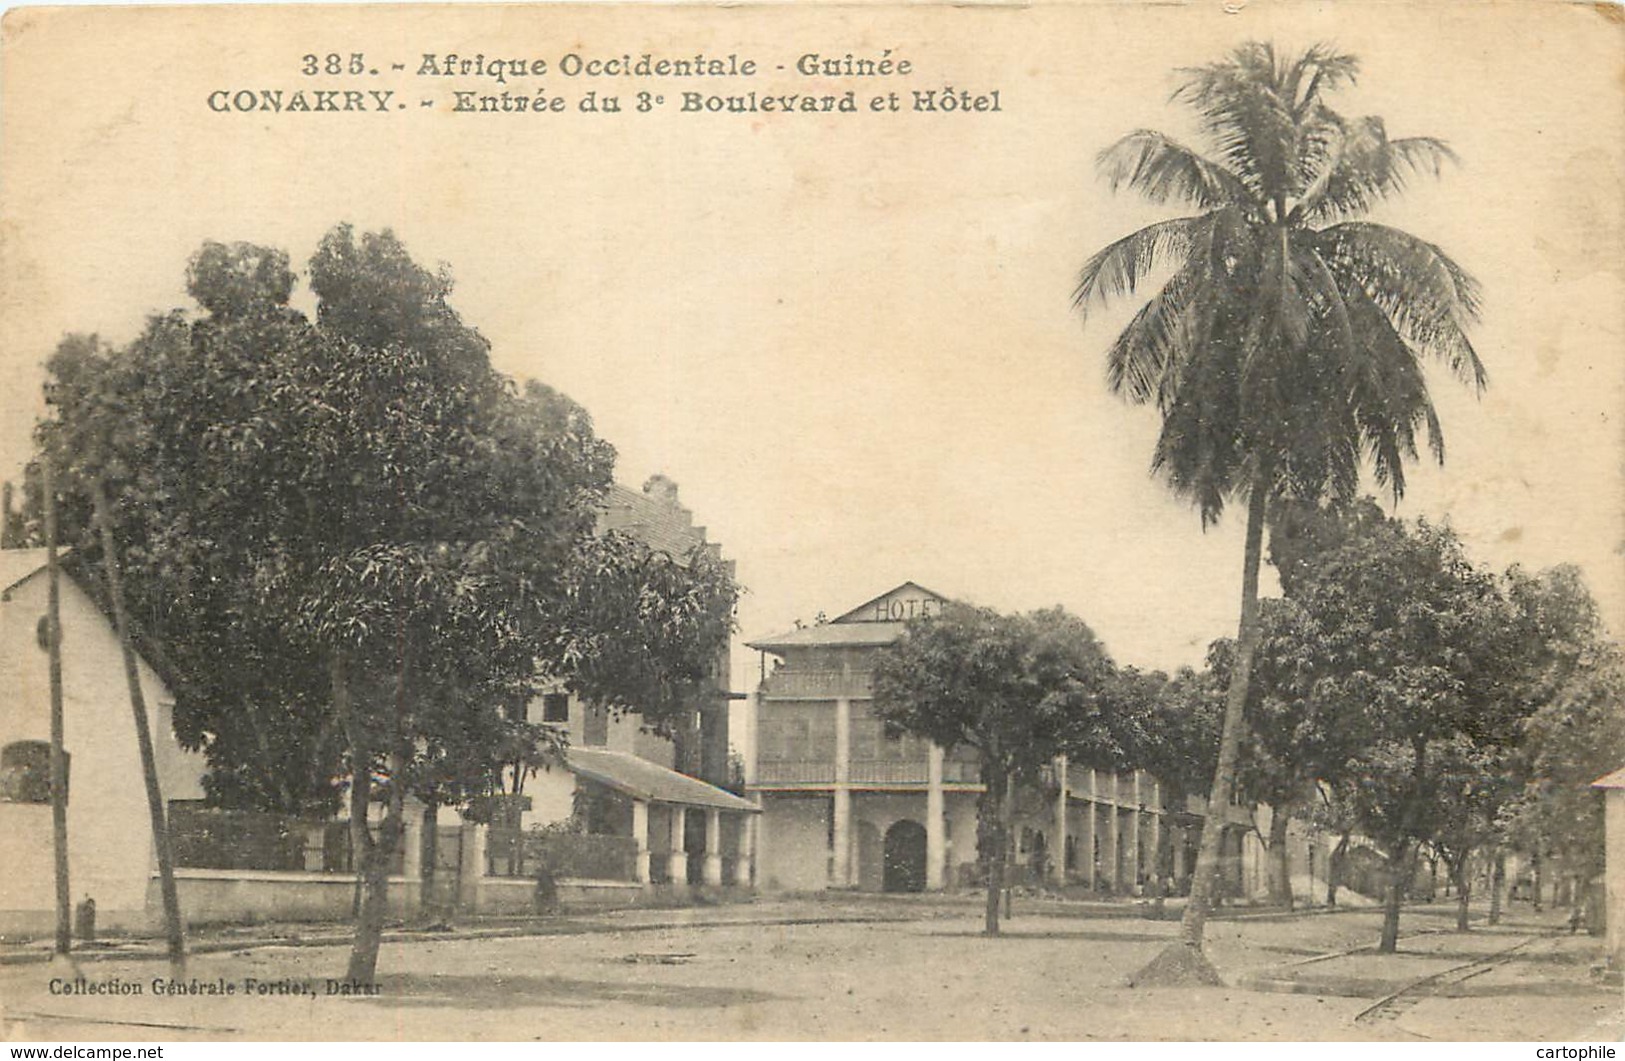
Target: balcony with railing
(889,772)
(882,772)
(817,684)
(795,772)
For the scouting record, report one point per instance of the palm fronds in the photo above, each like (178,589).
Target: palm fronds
(1162,169)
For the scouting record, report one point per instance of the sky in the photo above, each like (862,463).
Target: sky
(850,338)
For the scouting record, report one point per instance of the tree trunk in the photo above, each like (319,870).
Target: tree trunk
(1218,806)
(993,851)
(1540,881)
(369,931)
(1498,880)
(1394,871)
(995,886)
(1006,821)
(360,774)
(363,967)
(1463,884)
(1280,864)
(173,929)
(1334,868)
(1183,962)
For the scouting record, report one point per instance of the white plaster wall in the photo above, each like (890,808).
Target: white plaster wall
(1614,826)
(552,797)
(109,831)
(960,810)
(793,846)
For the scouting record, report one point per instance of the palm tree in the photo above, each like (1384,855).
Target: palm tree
(1285,346)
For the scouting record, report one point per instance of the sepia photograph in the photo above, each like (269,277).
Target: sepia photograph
(894,522)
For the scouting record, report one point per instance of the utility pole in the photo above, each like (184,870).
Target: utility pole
(59,759)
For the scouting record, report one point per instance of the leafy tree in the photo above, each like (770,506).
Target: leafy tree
(1288,342)
(1574,738)
(622,596)
(1295,739)
(1171,730)
(390,539)
(1405,644)
(1474,781)
(1017,689)
(1330,813)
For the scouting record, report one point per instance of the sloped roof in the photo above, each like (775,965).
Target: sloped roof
(857,615)
(642,779)
(1613,780)
(832,635)
(852,629)
(16,565)
(19,565)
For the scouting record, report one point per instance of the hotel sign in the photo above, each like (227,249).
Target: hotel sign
(906,602)
(901,609)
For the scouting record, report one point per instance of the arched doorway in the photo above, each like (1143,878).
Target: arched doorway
(905,857)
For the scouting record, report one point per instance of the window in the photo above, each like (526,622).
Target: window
(25,772)
(556,707)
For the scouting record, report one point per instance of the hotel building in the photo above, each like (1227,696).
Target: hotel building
(846,806)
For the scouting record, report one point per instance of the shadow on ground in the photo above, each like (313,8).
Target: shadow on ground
(519,991)
(1016,934)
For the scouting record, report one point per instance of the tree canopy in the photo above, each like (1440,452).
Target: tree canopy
(393,544)
(1018,689)
(1398,662)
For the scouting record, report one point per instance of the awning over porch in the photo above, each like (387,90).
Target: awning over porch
(642,779)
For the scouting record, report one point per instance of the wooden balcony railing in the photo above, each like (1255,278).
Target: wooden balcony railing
(818,684)
(889,772)
(862,772)
(795,772)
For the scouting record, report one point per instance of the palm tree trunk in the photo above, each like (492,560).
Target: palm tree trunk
(1183,962)
(1218,806)
(143,736)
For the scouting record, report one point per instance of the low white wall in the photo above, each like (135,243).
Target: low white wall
(517,895)
(211,896)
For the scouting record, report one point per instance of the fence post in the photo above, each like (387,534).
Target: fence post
(412,861)
(315,848)
(472,867)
